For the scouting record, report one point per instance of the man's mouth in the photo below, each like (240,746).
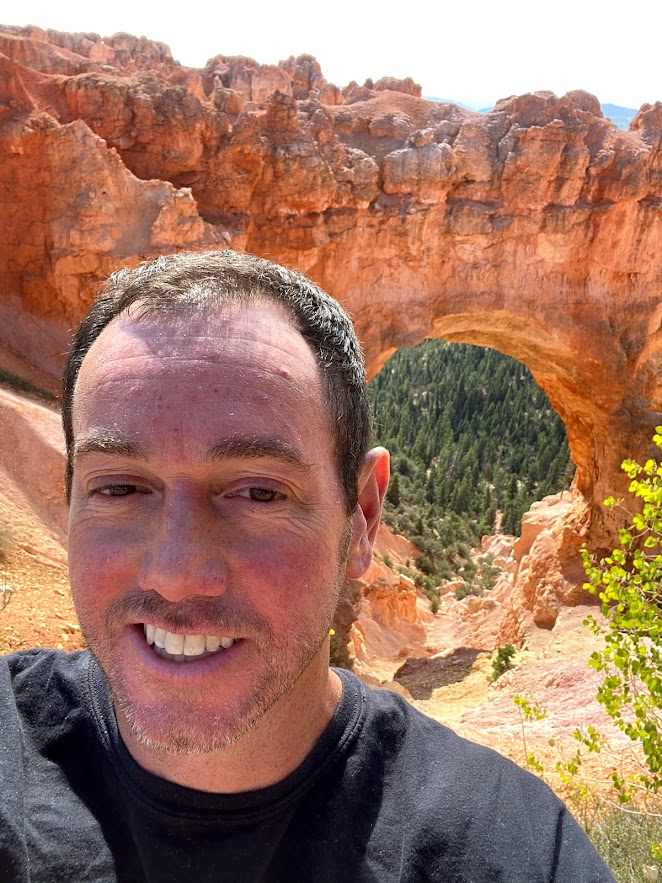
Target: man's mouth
(184,648)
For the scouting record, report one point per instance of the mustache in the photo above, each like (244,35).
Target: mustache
(194,615)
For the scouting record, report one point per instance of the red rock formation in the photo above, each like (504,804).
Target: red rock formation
(534,229)
(540,591)
(396,547)
(390,624)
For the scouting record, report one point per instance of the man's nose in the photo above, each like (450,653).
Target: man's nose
(184,557)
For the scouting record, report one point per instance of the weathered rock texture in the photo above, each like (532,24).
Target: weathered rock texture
(391,619)
(535,229)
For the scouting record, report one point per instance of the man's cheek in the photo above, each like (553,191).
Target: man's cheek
(285,573)
(99,568)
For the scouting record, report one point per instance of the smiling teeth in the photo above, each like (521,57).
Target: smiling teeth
(184,647)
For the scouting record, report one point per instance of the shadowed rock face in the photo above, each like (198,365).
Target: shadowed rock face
(535,229)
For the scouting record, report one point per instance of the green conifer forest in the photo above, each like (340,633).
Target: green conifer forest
(474,441)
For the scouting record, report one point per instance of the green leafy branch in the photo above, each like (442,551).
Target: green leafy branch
(628,583)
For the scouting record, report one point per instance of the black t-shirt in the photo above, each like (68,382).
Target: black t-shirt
(386,795)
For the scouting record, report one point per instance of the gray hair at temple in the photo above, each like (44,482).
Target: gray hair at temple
(176,284)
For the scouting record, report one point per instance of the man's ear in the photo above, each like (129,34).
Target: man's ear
(373,481)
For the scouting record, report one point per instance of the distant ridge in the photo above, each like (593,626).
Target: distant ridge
(474,107)
(621,116)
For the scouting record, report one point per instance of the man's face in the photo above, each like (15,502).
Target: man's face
(206,511)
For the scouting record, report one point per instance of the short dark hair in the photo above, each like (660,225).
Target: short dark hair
(180,282)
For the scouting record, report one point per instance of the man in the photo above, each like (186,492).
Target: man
(221,488)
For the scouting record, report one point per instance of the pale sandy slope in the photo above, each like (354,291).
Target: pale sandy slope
(31,477)
(33,577)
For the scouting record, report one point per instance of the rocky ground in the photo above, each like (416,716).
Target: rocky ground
(38,610)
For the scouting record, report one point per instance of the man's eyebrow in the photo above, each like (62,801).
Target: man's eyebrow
(233,448)
(108,443)
(255,448)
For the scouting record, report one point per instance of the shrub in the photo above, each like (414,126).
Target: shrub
(444,570)
(623,838)
(489,572)
(433,596)
(629,585)
(339,653)
(502,661)
(424,564)
(466,589)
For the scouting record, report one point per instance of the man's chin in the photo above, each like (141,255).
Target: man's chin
(210,713)
(158,734)
(175,727)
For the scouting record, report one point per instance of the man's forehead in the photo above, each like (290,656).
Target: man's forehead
(252,352)
(214,330)
(196,361)
(192,320)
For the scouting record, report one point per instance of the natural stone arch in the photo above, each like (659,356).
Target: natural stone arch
(601,432)
(588,332)
(596,358)
(554,574)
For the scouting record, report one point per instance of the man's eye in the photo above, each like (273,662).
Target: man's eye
(261,494)
(117,490)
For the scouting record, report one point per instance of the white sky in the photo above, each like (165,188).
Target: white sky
(474,52)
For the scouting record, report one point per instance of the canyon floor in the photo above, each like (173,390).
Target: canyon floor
(441,663)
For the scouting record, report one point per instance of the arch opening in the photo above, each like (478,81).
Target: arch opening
(474,441)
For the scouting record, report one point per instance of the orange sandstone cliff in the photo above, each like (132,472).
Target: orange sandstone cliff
(535,229)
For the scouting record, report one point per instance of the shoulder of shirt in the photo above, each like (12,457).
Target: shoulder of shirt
(54,671)
(436,748)
(39,659)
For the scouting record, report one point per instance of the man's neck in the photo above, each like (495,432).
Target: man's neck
(266,754)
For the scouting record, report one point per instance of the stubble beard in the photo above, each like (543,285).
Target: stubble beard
(166,730)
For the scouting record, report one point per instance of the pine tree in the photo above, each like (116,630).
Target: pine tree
(393,492)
